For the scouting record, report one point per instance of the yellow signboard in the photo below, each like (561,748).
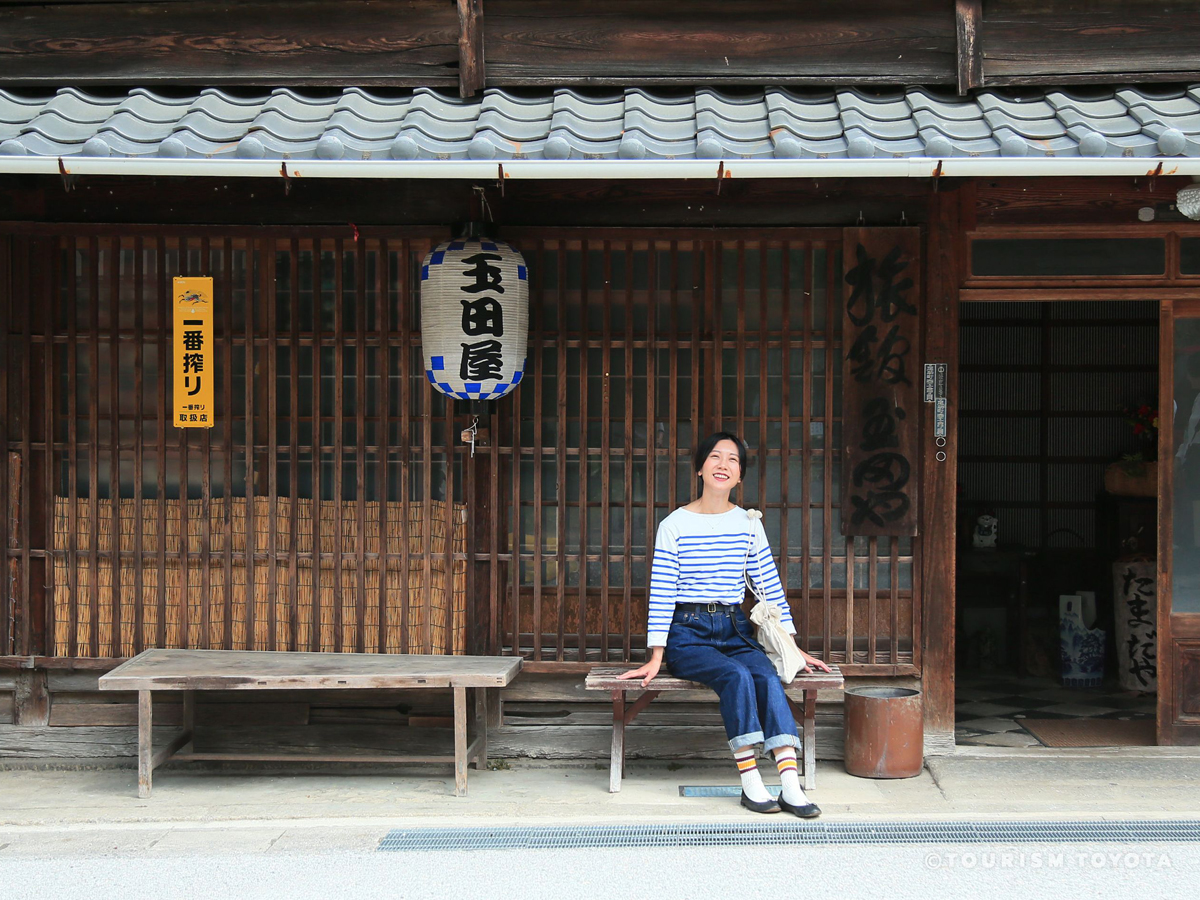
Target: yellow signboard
(194,360)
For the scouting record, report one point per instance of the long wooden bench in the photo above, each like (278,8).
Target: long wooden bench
(230,670)
(802,695)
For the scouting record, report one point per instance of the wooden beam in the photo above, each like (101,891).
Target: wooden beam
(968,16)
(470,47)
(384,43)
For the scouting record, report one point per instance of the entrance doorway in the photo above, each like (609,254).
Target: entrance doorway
(1054,542)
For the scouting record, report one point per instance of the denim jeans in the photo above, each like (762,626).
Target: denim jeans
(718,649)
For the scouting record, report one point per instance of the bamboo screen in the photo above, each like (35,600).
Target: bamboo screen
(328,436)
(639,347)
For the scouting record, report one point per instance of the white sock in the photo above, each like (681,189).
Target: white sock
(789,776)
(752,783)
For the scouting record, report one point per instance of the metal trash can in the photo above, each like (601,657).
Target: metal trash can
(885,732)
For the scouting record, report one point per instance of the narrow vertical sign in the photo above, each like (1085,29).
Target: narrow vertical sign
(882,380)
(192,359)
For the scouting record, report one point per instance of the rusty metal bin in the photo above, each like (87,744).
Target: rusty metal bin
(885,732)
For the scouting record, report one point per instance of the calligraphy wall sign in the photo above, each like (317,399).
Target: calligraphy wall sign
(474,318)
(194,365)
(881,380)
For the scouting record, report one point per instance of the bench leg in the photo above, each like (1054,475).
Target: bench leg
(460,742)
(810,740)
(616,766)
(481,728)
(189,718)
(145,743)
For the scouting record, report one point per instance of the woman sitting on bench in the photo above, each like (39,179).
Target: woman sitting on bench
(697,585)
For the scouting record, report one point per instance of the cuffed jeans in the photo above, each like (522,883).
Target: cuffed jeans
(717,649)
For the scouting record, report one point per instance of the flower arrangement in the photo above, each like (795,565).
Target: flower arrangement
(1143,421)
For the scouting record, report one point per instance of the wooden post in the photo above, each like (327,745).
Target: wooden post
(810,740)
(968,15)
(32,698)
(616,769)
(470,47)
(940,465)
(481,726)
(460,742)
(145,743)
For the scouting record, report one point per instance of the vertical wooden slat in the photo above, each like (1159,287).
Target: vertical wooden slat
(138,445)
(583,446)
(704,310)
(427,514)
(894,599)
(764,452)
(294,448)
(317,443)
(339,431)
(651,413)
(271,299)
(561,450)
(872,596)
(10,605)
(785,438)
(452,438)
(31,640)
(827,452)
(114,410)
(255,254)
(206,484)
(719,398)
(72,353)
(382,368)
(404,315)
(627,550)
(184,479)
(605,445)
(161,403)
(806,447)
(496,640)
(537,351)
(93,445)
(673,380)
(227,359)
(360,439)
(514,520)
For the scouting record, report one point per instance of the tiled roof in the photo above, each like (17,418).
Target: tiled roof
(632,124)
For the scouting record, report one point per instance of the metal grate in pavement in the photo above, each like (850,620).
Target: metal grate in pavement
(788,832)
(719,790)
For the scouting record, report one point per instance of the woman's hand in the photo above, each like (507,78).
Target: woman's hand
(811,662)
(648,671)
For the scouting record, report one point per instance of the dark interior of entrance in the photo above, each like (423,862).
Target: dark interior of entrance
(1056,522)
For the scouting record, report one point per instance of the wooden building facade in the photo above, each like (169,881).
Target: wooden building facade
(336,505)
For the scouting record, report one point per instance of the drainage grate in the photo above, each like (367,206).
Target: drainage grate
(736,835)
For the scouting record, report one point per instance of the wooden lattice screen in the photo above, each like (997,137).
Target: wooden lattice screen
(328,431)
(641,344)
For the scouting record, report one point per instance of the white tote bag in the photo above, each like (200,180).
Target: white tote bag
(768,621)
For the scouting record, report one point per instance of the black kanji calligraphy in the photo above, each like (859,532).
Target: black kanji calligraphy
(481,361)
(483,315)
(487,276)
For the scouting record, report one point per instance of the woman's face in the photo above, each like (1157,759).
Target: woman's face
(722,470)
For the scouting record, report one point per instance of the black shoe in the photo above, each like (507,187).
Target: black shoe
(763,806)
(807,811)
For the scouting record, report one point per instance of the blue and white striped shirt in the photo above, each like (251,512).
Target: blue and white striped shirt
(698,558)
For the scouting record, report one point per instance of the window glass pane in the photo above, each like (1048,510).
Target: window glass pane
(1069,256)
(1189,256)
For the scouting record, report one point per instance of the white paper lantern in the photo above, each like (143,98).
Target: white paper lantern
(474,318)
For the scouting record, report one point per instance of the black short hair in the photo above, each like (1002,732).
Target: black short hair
(705,447)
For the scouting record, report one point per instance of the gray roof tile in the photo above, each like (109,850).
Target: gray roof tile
(636,123)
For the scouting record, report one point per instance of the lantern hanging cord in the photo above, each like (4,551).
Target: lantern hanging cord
(483,203)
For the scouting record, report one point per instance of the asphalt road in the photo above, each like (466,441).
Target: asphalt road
(322,864)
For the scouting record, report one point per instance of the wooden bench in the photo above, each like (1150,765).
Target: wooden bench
(802,695)
(230,670)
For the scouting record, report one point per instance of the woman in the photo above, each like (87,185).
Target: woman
(697,585)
